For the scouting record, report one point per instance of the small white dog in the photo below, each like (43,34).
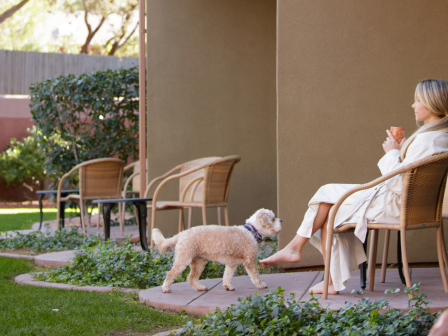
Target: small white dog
(229,245)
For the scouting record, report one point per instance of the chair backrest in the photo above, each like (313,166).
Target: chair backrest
(217,180)
(185,181)
(101,179)
(423,191)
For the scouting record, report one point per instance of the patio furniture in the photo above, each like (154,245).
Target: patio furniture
(64,193)
(399,258)
(98,179)
(421,208)
(134,180)
(203,183)
(139,203)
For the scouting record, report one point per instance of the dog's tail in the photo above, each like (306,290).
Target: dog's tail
(162,243)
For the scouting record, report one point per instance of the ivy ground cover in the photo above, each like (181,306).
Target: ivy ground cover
(29,310)
(106,264)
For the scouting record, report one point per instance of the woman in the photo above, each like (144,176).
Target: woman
(380,204)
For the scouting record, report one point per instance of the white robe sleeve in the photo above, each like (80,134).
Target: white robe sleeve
(421,147)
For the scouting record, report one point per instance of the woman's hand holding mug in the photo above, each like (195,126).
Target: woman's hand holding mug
(391,143)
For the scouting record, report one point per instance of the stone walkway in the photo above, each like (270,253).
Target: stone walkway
(184,297)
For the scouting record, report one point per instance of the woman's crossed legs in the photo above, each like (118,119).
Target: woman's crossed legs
(292,252)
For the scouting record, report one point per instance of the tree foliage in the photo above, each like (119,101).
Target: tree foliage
(19,31)
(91,116)
(121,31)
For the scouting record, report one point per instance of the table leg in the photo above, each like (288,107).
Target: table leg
(62,219)
(41,210)
(107,207)
(142,214)
(363,266)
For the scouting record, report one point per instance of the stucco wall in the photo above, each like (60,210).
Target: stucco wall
(212,92)
(15,118)
(347,71)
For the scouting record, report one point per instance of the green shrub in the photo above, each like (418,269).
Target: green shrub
(22,162)
(272,314)
(90,116)
(122,266)
(38,241)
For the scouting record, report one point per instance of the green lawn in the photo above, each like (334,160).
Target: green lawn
(27,310)
(22,219)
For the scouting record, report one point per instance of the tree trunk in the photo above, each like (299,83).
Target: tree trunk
(91,34)
(12,10)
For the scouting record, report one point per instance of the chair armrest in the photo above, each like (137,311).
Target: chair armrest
(129,166)
(371,184)
(155,180)
(126,184)
(173,177)
(58,194)
(188,186)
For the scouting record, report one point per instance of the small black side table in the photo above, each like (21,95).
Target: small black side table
(64,193)
(140,204)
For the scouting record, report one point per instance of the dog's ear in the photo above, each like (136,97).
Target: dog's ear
(263,218)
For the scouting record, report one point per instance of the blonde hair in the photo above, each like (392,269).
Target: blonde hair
(433,93)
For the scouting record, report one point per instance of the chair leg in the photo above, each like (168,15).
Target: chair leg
(226,215)
(121,211)
(363,266)
(153,221)
(99,217)
(219,216)
(404,256)
(440,253)
(445,257)
(204,215)
(372,259)
(399,259)
(81,216)
(181,220)
(137,217)
(190,213)
(327,265)
(385,253)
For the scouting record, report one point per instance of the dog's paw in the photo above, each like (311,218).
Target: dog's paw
(201,288)
(262,285)
(166,290)
(229,288)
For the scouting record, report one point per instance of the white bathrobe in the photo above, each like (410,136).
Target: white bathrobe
(380,204)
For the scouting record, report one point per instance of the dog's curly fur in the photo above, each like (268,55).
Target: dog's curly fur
(229,245)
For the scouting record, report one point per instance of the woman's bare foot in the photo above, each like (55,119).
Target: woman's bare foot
(319,289)
(286,255)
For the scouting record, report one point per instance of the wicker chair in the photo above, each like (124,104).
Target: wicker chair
(421,208)
(203,183)
(98,179)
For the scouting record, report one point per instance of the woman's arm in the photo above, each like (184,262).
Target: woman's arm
(422,146)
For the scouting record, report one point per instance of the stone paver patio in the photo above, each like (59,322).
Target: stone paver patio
(184,297)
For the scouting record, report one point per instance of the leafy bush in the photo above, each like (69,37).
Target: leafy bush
(123,266)
(271,314)
(90,116)
(22,162)
(38,241)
